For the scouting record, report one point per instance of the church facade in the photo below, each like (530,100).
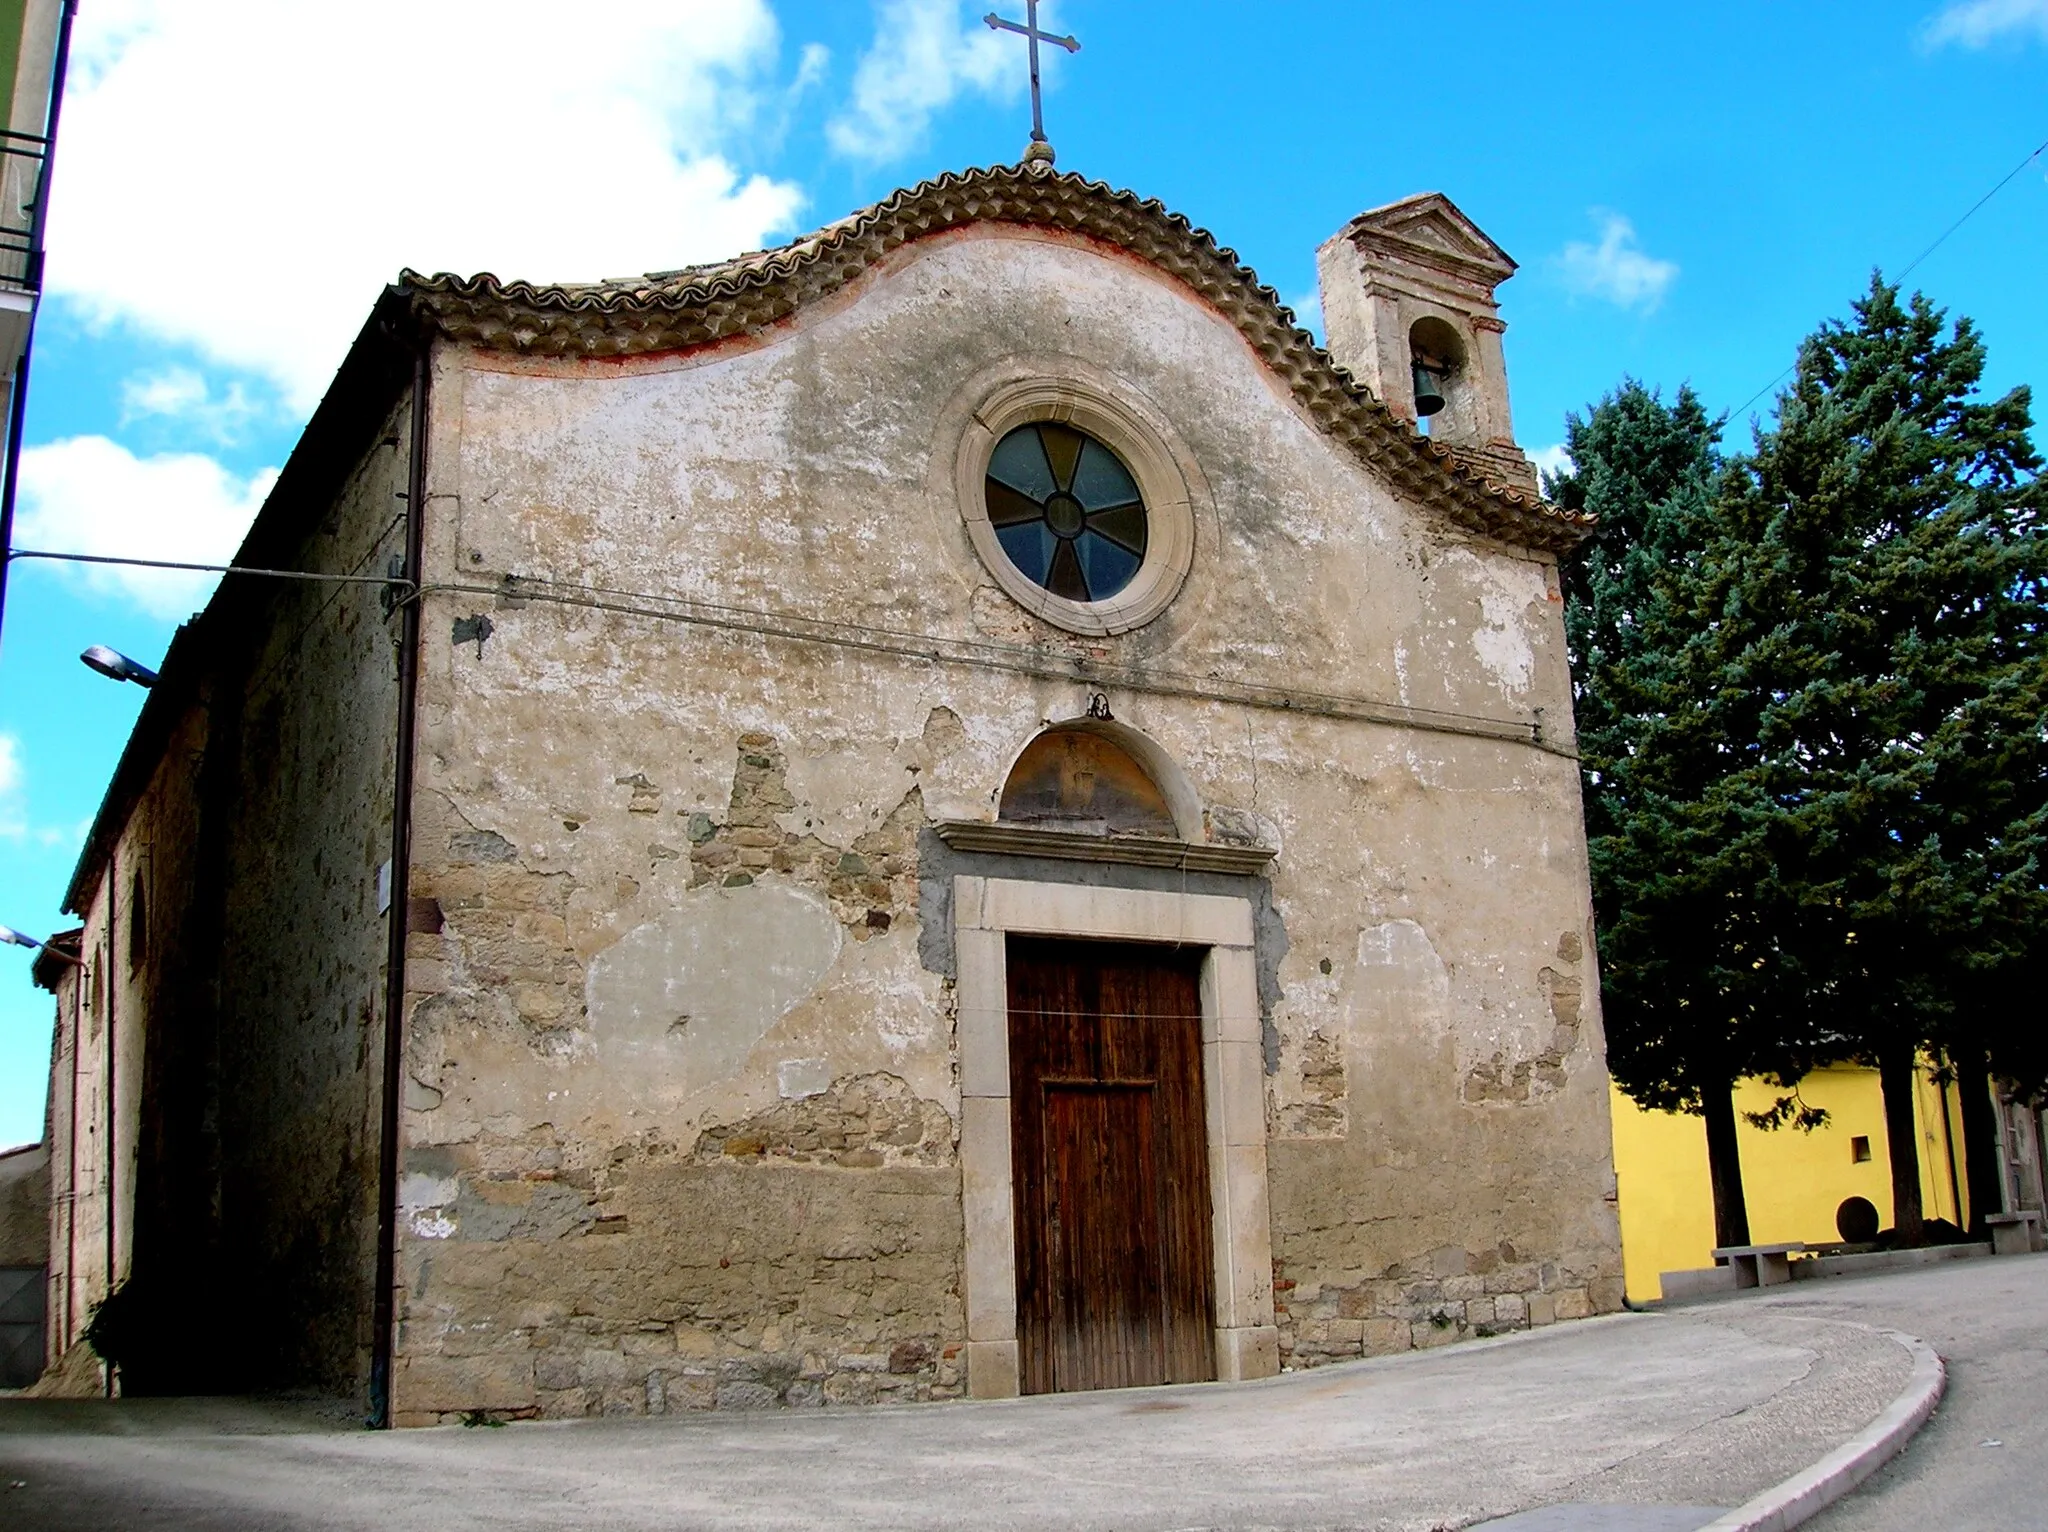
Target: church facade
(947,810)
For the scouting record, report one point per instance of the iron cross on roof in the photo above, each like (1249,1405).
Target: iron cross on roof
(1030,32)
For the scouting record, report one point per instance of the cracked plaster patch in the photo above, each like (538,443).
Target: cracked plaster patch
(1506,589)
(700,985)
(1404,986)
(859,1123)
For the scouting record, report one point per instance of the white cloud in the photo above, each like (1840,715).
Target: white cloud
(1551,459)
(13,822)
(810,69)
(926,54)
(14,825)
(242,176)
(1978,23)
(183,397)
(1616,269)
(87,494)
(1308,311)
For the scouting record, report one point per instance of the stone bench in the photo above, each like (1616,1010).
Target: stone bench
(2014,1233)
(1760,1265)
(1700,1282)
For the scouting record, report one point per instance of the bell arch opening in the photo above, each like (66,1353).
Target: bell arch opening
(1437,362)
(1094,776)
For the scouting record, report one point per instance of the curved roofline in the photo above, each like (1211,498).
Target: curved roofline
(700,305)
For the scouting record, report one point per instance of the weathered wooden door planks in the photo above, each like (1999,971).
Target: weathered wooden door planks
(1111,1165)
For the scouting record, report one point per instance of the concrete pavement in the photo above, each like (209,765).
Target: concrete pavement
(1981,1463)
(1658,1418)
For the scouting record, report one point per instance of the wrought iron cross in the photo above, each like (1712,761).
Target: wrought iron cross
(1029,31)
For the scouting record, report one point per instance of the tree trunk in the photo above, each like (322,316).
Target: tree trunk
(1983,1164)
(1724,1166)
(1895,1068)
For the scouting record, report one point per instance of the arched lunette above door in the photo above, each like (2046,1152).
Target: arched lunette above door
(1095,790)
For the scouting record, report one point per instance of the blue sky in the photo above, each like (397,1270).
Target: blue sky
(1689,191)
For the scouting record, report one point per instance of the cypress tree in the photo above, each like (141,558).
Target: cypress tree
(1878,624)
(1688,1012)
(1811,683)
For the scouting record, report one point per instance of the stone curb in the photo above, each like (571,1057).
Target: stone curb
(1812,1490)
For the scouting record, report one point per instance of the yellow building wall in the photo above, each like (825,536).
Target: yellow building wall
(1793,1181)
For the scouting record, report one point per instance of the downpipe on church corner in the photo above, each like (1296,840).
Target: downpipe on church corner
(384,1301)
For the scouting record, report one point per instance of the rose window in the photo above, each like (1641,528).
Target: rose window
(1066,511)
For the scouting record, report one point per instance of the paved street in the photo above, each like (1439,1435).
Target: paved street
(1989,1321)
(1649,1414)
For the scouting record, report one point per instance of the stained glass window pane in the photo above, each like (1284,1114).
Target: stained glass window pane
(1107,567)
(1125,525)
(1101,481)
(1063,445)
(1019,462)
(1066,511)
(1065,578)
(1029,547)
(1007,506)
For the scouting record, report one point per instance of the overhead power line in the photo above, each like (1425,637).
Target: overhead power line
(234,569)
(932,648)
(2009,175)
(1907,269)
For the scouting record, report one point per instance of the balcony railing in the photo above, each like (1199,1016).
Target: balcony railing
(21,212)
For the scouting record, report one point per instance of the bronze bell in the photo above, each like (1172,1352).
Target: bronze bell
(1429,393)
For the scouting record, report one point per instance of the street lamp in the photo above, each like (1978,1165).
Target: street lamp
(115,665)
(13,938)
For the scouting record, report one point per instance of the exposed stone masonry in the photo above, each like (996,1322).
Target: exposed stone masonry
(860,1124)
(871,885)
(1503,1079)
(1319,1113)
(1462,1295)
(663,1280)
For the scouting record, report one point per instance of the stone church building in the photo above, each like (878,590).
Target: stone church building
(951,809)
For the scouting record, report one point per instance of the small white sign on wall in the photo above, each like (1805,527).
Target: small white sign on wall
(798,1078)
(384,887)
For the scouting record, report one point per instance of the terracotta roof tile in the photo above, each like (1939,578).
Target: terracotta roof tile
(697,305)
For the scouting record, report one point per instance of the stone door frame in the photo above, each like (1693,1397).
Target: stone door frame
(985,912)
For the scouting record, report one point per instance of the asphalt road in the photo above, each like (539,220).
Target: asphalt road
(1637,1422)
(1981,1464)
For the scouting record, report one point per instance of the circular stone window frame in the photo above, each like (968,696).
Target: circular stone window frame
(1063,391)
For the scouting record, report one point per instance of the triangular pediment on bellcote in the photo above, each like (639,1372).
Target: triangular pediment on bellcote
(1432,225)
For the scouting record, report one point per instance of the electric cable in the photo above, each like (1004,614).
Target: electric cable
(1907,270)
(234,569)
(1035,661)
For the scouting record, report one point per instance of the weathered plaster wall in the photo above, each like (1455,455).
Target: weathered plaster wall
(233,943)
(682,1094)
(107,1035)
(25,1253)
(104,1027)
(69,1141)
(25,1206)
(300,1040)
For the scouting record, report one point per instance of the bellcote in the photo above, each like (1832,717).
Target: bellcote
(1407,293)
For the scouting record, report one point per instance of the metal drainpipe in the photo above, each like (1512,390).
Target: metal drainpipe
(70,1329)
(113,964)
(384,1301)
(17,412)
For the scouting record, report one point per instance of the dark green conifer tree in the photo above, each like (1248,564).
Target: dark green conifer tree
(1811,684)
(1688,1011)
(1879,574)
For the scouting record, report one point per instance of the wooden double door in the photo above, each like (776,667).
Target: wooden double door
(1115,1282)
